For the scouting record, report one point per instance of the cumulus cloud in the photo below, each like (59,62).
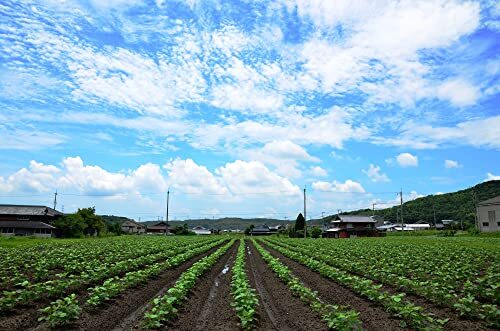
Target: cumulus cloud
(451,164)
(490,176)
(374,173)
(73,175)
(349,186)
(318,171)
(189,177)
(407,160)
(458,92)
(254,177)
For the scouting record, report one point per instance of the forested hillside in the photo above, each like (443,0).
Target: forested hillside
(455,206)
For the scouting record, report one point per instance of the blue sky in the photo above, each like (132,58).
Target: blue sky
(237,105)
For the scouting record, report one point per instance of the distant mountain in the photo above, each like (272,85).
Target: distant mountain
(450,206)
(232,223)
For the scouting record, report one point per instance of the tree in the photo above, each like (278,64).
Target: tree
(300,222)
(316,232)
(248,230)
(71,225)
(83,222)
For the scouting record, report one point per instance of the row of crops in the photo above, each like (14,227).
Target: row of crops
(464,278)
(87,275)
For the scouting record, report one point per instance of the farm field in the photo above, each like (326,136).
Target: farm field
(263,283)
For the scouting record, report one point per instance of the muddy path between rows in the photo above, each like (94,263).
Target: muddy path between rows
(454,323)
(127,310)
(278,309)
(371,315)
(208,306)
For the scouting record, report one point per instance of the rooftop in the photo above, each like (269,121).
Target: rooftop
(25,225)
(28,210)
(353,219)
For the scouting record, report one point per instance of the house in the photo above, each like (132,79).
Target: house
(28,220)
(28,213)
(418,226)
(276,228)
(199,230)
(488,215)
(158,228)
(346,226)
(132,227)
(261,230)
(26,228)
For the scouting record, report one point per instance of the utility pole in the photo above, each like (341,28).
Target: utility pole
(305,219)
(434,210)
(373,209)
(401,203)
(55,200)
(168,200)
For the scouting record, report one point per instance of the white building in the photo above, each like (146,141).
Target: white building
(199,230)
(488,215)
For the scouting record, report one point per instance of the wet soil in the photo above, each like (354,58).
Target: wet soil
(209,305)
(278,309)
(373,316)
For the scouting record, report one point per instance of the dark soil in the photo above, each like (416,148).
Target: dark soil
(373,316)
(209,305)
(278,309)
(124,312)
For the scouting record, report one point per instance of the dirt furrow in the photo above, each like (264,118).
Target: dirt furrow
(209,304)
(126,311)
(454,323)
(373,316)
(278,308)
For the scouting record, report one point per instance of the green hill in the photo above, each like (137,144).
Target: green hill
(450,206)
(232,223)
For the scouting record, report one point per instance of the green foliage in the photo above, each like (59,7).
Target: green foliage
(459,273)
(450,206)
(183,231)
(244,298)
(316,232)
(61,312)
(248,230)
(71,225)
(336,317)
(83,222)
(300,223)
(164,307)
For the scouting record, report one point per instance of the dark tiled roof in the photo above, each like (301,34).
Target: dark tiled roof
(355,219)
(28,210)
(25,225)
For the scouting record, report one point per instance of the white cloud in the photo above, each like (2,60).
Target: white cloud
(451,164)
(407,160)
(490,176)
(458,92)
(254,177)
(189,177)
(477,132)
(349,186)
(374,173)
(28,140)
(318,171)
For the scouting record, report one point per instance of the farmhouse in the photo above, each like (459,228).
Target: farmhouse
(199,230)
(27,220)
(261,230)
(28,213)
(158,228)
(344,226)
(488,215)
(133,227)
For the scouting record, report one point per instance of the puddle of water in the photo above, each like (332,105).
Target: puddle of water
(225,270)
